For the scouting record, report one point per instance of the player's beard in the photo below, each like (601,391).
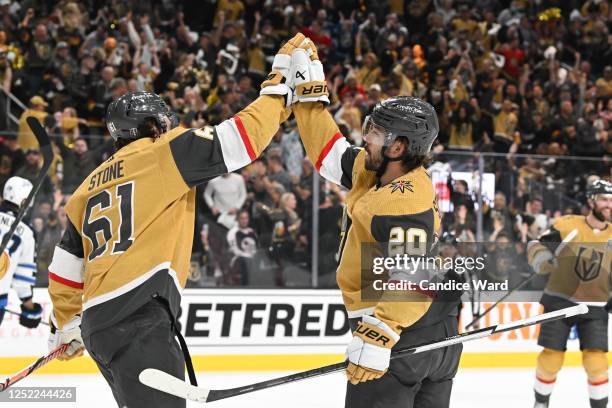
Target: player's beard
(603,216)
(373,159)
(602,213)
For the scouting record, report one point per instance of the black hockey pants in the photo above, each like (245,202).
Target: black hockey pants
(421,380)
(144,339)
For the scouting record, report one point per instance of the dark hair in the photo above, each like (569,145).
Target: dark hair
(463,183)
(149,128)
(502,234)
(469,111)
(411,162)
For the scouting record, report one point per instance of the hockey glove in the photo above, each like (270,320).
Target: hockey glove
(540,258)
(30,317)
(278,81)
(370,350)
(307,75)
(71,331)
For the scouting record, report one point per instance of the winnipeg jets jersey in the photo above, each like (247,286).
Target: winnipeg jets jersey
(17,267)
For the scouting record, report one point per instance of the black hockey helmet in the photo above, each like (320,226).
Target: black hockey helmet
(598,187)
(405,116)
(126,115)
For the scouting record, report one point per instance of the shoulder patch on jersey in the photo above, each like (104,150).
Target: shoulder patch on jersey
(205,132)
(401,186)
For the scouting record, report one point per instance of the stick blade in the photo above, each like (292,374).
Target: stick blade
(169,384)
(577,310)
(43,140)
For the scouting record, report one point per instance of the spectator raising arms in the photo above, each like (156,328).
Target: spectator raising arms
(504,78)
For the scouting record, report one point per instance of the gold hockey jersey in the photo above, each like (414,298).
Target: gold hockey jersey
(132,219)
(583,271)
(402,213)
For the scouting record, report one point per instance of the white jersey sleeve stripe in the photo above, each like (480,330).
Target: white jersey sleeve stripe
(235,152)
(66,265)
(329,163)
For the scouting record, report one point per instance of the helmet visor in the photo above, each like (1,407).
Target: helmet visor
(375,134)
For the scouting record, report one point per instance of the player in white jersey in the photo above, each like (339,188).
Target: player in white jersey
(17,267)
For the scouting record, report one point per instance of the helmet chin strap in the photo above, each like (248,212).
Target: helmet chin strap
(383,166)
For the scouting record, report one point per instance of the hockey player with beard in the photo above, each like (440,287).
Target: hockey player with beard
(391,208)
(579,274)
(17,267)
(117,275)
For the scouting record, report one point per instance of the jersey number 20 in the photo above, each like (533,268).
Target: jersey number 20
(412,241)
(103,225)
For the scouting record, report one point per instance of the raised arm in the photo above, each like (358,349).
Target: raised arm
(202,154)
(329,151)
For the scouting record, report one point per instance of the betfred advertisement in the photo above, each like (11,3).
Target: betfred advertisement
(215,320)
(254,321)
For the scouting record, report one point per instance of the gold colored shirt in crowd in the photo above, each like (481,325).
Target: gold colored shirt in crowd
(505,125)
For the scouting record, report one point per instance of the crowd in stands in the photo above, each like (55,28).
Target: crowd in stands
(507,78)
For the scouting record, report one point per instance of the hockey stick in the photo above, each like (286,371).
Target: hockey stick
(474,296)
(47,153)
(19,314)
(34,366)
(558,251)
(510,292)
(167,383)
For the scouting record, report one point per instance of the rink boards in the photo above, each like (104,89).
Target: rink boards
(275,330)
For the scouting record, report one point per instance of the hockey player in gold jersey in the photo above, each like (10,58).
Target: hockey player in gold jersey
(391,206)
(117,275)
(579,274)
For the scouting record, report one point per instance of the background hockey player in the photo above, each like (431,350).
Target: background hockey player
(124,258)
(580,274)
(391,199)
(17,267)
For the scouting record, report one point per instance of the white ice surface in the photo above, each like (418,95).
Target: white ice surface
(474,388)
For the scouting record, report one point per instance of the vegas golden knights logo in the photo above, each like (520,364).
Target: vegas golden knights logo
(588,263)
